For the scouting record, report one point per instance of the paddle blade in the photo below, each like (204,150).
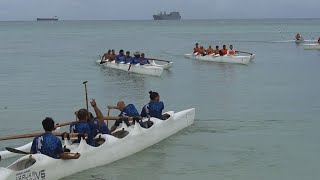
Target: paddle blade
(16,151)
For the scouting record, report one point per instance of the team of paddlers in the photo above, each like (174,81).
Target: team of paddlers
(48,144)
(200,50)
(138,58)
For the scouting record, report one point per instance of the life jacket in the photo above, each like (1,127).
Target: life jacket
(209,51)
(202,51)
(231,52)
(216,51)
(224,51)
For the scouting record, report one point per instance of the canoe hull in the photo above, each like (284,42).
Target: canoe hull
(311,46)
(145,69)
(112,150)
(222,59)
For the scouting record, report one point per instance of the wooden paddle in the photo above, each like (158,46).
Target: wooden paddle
(108,119)
(87,102)
(129,67)
(159,60)
(64,135)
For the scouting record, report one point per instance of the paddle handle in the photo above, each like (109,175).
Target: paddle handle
(108,119)
(244,52)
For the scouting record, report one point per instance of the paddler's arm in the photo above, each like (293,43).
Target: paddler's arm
(97,111)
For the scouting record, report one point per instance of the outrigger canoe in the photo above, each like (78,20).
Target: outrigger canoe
(224,59)
(137,68)
(42,167)
(314,46)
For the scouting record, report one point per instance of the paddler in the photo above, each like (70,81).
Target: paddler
(144,60)
(209,50)
(202,51)
(127,57)
(126,112)
(106,56)
(154,108)
(85,126)
(224,50)
(113,55)
(136,58)
(97,124)
(196,49)
(231,51)
(298,36)
(120,57)
(217,50)
(48,144)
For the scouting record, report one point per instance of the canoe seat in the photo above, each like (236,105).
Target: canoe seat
(23,164)
(99,141)
(120,134)
(147,124)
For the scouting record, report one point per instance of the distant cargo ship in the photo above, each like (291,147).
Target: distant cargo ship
(48,19)
(165,16)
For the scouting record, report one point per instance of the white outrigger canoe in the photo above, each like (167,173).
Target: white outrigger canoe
(314,46)
(152,69)
(42,167)
(224,59)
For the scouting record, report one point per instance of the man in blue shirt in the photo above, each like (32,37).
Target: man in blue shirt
(120,57)
(136,58)
(126,112)
(144,60)
(48,144)
(127,58)
(82,127)
(97,124)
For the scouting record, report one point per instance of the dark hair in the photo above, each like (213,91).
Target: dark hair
(109,51)
(224,46)
(128,52)
(48,124)
(121,51)
(217,46)
(82,114)
(153,95)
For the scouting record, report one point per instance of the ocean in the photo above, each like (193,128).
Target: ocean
(255,121)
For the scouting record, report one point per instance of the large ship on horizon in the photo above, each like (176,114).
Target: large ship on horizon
(165,16)
(55,18)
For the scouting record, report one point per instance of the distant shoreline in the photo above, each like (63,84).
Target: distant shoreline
(227,19)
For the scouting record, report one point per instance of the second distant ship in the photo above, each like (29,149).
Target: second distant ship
(165,16)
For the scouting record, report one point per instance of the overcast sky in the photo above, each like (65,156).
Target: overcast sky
(144,9)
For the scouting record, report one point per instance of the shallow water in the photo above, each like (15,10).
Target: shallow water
(258,121)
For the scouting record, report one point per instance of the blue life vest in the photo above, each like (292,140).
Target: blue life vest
(144,61)
(154,109)
(119,58)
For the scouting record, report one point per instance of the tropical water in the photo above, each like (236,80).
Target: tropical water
(255,121)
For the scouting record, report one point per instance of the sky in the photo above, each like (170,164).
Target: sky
(144,9)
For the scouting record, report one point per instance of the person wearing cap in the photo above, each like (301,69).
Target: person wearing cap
(144,60)
(127,58)
(126,111)
(231,51)
(48,144)
(120,57)
(209,50)
(136,58)
(154,108)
